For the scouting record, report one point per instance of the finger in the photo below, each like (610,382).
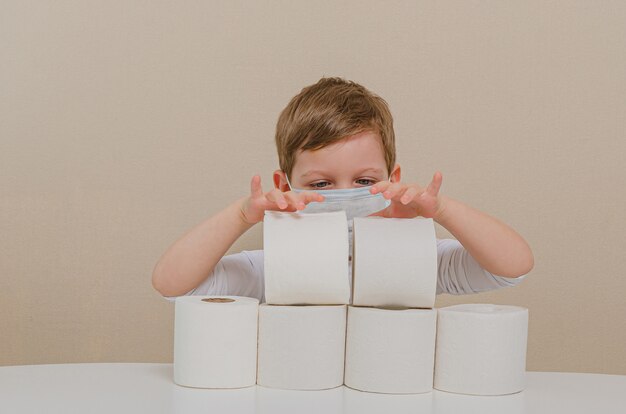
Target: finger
(409,195)
(276,196)
(256,190)
(310,197)
(379,187)
(435,184)
(294,200)
(304,198)
(395,190)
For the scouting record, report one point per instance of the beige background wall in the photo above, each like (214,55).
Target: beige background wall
(123,124)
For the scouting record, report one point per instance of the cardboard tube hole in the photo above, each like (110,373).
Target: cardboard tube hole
(218,300)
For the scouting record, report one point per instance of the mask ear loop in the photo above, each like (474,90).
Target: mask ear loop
(288,183)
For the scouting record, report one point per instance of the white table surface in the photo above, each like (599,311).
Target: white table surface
(148,388)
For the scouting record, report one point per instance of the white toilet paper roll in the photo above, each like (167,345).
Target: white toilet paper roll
(481,349)
(395,262)
(306,258)
(215,341)
(390,351)
(301,347)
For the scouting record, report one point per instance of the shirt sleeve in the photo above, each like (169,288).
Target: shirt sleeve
(459,273)
(239,274)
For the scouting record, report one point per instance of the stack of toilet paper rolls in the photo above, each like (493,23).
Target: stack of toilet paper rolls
(302,325)
(389,340)
(391,329)
(397,343)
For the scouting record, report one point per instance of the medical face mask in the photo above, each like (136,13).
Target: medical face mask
(356,202)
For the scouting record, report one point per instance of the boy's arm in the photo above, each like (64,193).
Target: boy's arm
(192,257)
(498,248)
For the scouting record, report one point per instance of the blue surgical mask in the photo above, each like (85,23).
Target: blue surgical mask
(356,202)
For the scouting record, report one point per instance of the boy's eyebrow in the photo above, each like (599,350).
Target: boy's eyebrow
(373,170)
(311,172)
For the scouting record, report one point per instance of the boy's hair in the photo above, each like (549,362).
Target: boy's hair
(328,111)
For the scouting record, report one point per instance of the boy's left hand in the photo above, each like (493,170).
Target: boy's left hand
(410,200)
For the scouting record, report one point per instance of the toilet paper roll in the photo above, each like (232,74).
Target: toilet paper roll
(301,347)
(390,351)
(306,258)
(215,341)
(395,262)
(481,349)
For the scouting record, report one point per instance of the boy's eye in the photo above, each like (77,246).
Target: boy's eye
(320,184)
(365,181)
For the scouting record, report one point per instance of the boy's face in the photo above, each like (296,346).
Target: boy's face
(356,161)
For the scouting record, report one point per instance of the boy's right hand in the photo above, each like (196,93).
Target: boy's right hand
(254,207)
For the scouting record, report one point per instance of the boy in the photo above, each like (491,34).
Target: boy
(334,135)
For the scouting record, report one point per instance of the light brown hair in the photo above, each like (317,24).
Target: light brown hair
(328,111)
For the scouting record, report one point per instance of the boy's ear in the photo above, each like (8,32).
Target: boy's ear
(280,181)
(394,177)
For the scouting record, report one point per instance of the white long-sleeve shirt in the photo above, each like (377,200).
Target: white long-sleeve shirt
(241,274)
